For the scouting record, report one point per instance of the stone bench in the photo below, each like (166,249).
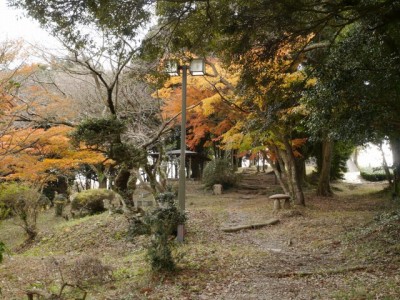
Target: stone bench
(277,201)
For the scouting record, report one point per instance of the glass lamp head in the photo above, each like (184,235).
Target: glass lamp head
(197,67)
(172,68)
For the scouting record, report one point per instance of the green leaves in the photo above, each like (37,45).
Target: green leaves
(98,131)
(104,135)
(219,171)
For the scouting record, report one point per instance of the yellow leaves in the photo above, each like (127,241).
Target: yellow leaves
(234,138)
(311,82)
(291,78)
(233,141)
(209,104)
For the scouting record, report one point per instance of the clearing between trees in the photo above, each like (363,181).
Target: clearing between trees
(344,247)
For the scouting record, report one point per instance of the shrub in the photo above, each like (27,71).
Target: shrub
(88,270)
(59,201)
(161,223)
(219,171)
(24,203)
(375,174)
(136,227)
(90,202)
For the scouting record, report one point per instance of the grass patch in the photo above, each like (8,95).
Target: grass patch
(323,243)
(377,289)
(378,241)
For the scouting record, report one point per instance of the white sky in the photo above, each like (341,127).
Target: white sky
(13,25)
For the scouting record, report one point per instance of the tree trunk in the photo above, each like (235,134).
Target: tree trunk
(235,160)
(301,169)
(101,175)
(121,183)
(286,170)
(162,167)
(88,183)
(395,145)
(294,179)
(151,172)
(196,168)
(355,157)
(278,175)
(324,186)
(385,166)
(103,183)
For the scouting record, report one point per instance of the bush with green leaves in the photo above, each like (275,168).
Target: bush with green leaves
(375,174)
(24,203)
(59,202)
(219,171)
(90,202)
(98,131)
(105,133)
(161,223)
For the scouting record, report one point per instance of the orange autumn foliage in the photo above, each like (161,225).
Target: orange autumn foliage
(209,113)
(41,155)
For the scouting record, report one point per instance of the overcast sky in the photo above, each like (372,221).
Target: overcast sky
(13,25)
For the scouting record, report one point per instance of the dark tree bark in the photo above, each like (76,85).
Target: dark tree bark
(121,183)
(196,169)
(324,182)
(301,170)
(395,145)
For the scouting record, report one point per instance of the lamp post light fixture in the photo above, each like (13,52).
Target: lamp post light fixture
(196,68)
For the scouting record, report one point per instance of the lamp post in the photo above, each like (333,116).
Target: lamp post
(196,68)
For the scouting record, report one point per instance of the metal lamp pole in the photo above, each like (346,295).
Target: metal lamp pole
(197,68)
(182,171)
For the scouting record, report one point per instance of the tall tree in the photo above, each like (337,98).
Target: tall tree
(358,86)
(232,28)
(102,44)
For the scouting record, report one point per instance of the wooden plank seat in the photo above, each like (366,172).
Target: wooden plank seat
(277,201)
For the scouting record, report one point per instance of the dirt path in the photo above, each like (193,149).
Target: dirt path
(304,257)
(327,250)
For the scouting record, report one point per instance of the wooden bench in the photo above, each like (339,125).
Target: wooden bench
(277,201)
